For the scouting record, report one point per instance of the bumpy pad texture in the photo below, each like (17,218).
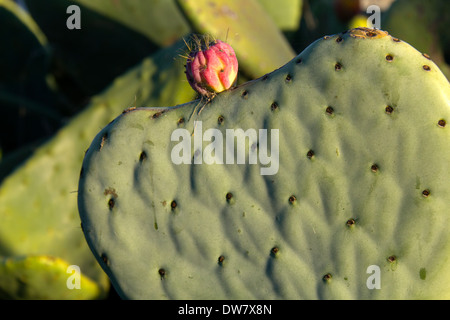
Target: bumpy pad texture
(363,181)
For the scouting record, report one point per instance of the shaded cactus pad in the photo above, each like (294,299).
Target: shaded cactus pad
(357,208)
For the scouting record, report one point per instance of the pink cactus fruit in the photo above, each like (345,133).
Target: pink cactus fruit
(211,68)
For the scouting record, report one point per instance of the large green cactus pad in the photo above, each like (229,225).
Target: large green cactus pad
(357,209)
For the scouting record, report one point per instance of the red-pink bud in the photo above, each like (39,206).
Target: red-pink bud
(212,68)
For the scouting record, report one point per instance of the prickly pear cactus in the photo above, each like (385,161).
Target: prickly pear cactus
(211,67)
(343,191)
(237,23)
